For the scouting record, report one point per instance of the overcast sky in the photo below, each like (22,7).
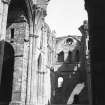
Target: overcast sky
(66,16)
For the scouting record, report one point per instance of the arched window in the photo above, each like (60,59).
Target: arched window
(6,74)
(77,56)
(61,57)
(69,56)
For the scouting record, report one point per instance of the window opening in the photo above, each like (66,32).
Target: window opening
(61,57)
(69,56)
(60,82)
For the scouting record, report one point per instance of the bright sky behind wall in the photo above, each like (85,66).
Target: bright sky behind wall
(66,16)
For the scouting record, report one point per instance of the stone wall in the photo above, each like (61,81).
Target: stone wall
(27,37)
(69,69)
(21,46)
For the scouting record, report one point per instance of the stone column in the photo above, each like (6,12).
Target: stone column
(32,90)
(29,73)
(46,73)
(25,67)
(96,15)
(34,74)
(3,23)
(34,66)
(47,86)
(31,98)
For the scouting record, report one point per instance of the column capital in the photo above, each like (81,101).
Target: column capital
(6,1)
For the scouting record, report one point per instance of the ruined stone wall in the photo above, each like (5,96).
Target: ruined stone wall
(16,38)
(68,70)
(16,33)
(63,45)
(28,40)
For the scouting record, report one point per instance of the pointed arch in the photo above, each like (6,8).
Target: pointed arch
(6,82)
(69,57)
(39,62)
(61,56)
(77,56)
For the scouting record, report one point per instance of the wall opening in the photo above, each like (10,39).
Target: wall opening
(60,82)
(77,56)
(69,57)
(7,75)
(61,57)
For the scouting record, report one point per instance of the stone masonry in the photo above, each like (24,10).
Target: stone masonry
(24,51)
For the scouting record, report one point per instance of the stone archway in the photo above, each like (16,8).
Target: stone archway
(7,75)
